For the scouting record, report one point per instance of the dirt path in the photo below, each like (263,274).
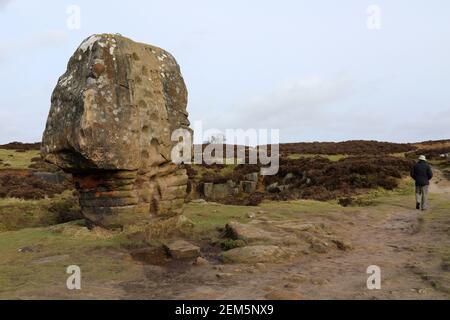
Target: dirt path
(439,183)
(402,243)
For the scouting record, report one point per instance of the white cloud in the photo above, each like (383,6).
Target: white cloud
(300,101)
(303,102)
(332,109)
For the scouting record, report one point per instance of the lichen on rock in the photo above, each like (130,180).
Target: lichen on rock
(110,123)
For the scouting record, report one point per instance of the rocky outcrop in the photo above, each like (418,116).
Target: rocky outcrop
(112,115)
(217,191)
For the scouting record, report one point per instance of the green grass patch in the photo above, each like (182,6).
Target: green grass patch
(46,252)
(331,157)
(208,217)
(382,196)
(16,160)
(18,214)
(398,154)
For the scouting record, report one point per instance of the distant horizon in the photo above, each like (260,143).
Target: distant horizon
(363,140)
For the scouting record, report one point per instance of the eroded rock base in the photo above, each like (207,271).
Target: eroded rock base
(113,199)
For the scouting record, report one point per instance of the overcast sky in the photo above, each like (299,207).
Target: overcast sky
(312,69)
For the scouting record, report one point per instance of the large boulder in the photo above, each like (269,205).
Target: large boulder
(111,118)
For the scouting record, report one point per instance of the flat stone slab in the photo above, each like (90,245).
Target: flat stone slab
(181,249)
(236,230)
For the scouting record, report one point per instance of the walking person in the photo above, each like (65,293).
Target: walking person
(422,174)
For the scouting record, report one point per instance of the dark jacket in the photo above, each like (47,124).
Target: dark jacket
(421,173)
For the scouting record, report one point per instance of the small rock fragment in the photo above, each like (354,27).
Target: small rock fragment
(181,249)
(200,261)
(224,275)
(342,244)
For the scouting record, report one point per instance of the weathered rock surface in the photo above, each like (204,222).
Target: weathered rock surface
(180,249)
(248,186)
(217,191)
(252,176)
(200,261)
(112,115)
(236,230)
(254,254)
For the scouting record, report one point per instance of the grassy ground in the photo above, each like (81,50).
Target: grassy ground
(35,248)
(17,214)
(34,260)
(37,258)
(10,159)
(46,253)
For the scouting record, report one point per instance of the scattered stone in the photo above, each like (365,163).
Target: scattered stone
(254,254)
(181,249)
(342,244)
(110,123)
(251,215)
(319,246)
(260,266)
(273,188)
(248,186)
(236,230)
(208,190)
(28,249)
(216,191)
(224,275)
(222,190)
(200,261)
(288,178)
(252,176)
(290,286)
